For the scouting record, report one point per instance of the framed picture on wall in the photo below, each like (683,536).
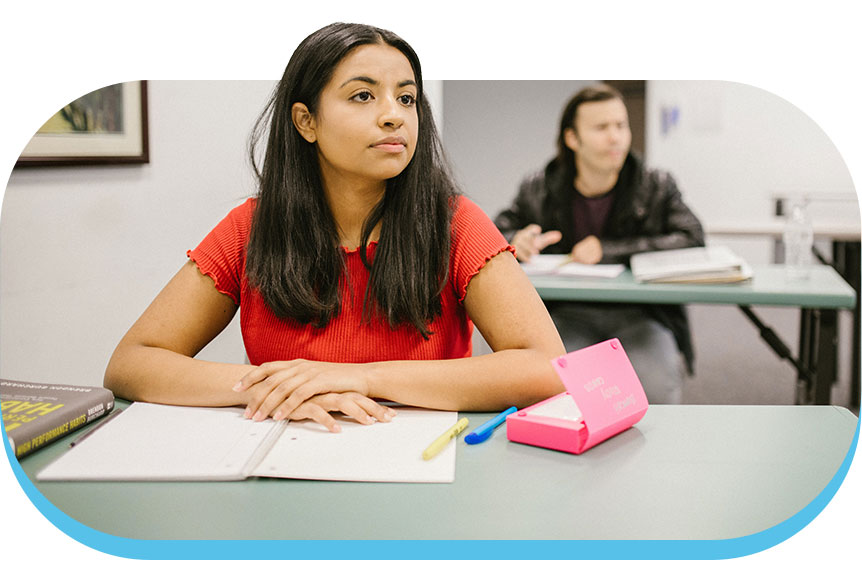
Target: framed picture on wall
(106,126)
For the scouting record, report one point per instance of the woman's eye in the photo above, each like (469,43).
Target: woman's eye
(407,99)
(362,96)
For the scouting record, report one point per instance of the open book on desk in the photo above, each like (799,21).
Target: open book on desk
(150,442)
(710,264)
(559,264)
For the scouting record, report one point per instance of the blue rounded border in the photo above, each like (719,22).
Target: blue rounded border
(439,550)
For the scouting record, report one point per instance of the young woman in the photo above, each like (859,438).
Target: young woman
(358,270)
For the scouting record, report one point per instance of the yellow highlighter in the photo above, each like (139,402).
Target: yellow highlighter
(444,439)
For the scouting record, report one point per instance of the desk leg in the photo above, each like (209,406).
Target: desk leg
(806,362)
(826,360)
(818,355)
(807,337)
(846,258)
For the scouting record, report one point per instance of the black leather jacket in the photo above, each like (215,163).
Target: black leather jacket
(647,214)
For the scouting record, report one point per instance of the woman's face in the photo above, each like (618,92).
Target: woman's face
(366,124)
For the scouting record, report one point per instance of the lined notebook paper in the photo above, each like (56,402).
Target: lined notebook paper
(177,443)
(558,264)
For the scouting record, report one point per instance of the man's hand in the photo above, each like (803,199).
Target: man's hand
(530,240)
(588,251)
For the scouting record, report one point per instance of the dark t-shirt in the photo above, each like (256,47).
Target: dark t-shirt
(591,214)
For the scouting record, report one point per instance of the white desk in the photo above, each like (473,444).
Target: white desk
(819,297)
(846,255)
(683,472)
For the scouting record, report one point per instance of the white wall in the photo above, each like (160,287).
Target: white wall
(83,250)
(733,147)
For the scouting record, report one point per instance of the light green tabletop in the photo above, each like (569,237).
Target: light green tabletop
(683,472)
(769,286)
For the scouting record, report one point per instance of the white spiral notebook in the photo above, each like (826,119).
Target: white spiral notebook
(150,442)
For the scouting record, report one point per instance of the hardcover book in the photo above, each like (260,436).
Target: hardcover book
(35,414)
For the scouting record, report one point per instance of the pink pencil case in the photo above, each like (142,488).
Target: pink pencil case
(603,398)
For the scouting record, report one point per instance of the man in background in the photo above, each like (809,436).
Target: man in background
(598,203)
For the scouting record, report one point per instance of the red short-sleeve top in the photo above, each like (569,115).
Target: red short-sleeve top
(347,339)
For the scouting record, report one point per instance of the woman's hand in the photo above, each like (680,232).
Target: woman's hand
(277,389)
(361,408)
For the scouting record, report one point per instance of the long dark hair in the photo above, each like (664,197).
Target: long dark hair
(293,255)
(565,159)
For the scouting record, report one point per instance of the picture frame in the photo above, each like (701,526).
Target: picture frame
(106,126)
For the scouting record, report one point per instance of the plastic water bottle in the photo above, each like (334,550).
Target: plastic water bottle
(798,239)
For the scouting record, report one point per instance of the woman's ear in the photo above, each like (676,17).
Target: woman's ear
(303,120)
(571,139)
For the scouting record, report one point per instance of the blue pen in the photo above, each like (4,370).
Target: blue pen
(485,430)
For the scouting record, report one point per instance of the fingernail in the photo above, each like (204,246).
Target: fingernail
(387,416)
(369,419)
(237,387)
(336,428)
(247,412)
(277,416)
(257,416)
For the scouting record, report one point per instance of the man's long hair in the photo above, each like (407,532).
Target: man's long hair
(565,159)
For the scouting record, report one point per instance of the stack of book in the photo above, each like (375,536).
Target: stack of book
(711,264)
